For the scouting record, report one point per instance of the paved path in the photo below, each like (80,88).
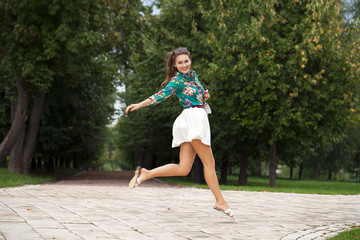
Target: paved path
(106,209)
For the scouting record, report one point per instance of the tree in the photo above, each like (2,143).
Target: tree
(280,74)
(331,159)
(41,41)
(75,116)
(275,65)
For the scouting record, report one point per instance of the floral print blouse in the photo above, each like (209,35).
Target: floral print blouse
(186,87)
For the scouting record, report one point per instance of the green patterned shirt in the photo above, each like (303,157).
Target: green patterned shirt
(186,87)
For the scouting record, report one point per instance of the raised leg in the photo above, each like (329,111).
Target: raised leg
(187,155)
(207,158)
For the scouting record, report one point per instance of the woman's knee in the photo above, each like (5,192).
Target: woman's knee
(184,171)
(209,165)
(208,162)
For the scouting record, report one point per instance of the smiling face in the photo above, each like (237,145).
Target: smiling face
(182,63)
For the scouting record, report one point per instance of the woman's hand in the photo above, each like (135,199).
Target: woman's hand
(206,95)
(132,107)
(136,106)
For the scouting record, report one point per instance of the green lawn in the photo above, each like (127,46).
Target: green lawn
(9,179)
(348,235)
(282,185)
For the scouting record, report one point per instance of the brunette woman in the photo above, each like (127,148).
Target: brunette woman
(191,129)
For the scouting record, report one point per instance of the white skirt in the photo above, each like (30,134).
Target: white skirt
(192,123)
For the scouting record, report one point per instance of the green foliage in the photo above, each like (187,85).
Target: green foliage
(284,71)
(74,118)
(147,130)
(288,59)
(37,34)
(111,157)
(65,50)
(342,156)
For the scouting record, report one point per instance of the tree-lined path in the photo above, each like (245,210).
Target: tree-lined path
(97,206)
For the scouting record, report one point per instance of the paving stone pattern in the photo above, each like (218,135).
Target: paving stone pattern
(107,209)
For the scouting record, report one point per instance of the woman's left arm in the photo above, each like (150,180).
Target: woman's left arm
(206,95)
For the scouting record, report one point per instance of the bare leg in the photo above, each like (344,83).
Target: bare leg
(207,158)
(187,155)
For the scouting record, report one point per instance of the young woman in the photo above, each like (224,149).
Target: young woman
(191,129)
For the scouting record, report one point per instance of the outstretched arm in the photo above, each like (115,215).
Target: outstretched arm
(137,106)
(158,97)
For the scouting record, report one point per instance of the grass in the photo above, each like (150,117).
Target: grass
(348,235)
(9,179)
(261,184)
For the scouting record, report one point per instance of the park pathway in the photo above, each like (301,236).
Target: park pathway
(98,205)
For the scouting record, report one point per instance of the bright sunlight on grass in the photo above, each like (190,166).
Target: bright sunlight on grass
(282,185)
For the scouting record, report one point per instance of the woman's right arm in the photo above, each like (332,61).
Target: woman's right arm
(136,106)
(172,87)
(158,97)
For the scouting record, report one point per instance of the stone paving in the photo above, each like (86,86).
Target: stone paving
(84,210)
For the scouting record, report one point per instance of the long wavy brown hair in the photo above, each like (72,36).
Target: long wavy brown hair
(170,61)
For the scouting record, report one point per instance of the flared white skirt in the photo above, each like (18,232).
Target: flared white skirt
(192,123)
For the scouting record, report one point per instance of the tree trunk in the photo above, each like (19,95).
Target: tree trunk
(32,132)
(153,162)
(15,163)
(317,171)
(56,162)
(50,165)
(39,163)
(85,166)
(75,163)
(243,167)
(3,162)
(291,170)
(258,164)
(33,163)
(17,124)
(301,170)
(62,162)
(330,174)
(68,163)
(138,155)
(198,171)
(224,170)
(148,162)
(272,165)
